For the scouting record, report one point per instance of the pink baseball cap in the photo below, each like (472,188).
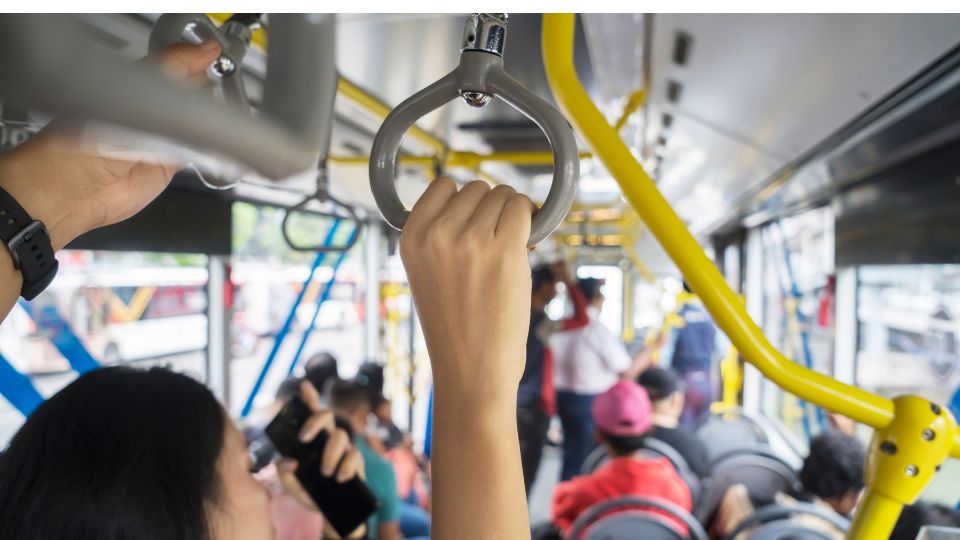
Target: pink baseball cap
(623,410)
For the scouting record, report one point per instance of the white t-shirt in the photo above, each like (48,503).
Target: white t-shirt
(588,360)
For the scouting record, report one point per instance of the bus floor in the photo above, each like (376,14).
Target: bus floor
(541,493)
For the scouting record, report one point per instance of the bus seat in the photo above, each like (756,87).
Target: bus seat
(763,473)
(629,522)
(652,448)
(939,533)
(778,522)
(729,430)
(656,446)
(595,459)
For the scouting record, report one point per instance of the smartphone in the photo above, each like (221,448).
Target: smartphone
(345,506)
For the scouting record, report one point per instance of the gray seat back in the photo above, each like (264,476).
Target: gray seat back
(633,519)
(763,473)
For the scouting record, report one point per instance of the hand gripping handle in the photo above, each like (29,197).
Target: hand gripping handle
(479,73)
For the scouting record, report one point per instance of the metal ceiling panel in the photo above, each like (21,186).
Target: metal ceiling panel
(763,89)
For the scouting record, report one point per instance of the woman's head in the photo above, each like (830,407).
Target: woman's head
(128,453)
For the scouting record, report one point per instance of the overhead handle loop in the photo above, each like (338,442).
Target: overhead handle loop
(478,78)
(322,196)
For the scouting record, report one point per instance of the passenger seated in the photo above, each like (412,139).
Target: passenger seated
(622,417)
(321,370)
(351,402)
(831,477)
(667,396)
(254,431)
(832,473)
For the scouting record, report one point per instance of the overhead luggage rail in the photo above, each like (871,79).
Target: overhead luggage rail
(477,79)
(913,436)
(48,60)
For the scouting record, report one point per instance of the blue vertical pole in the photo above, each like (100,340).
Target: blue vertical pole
(320,300)
(285,329)
(18,389)
(428,437)
(802,321)
(58,332)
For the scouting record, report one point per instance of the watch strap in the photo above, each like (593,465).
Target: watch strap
(29,245)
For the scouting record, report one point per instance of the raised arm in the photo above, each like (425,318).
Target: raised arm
(579,319)
(466,260)
(71,187)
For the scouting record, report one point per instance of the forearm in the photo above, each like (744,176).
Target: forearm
(478,482)
(10,283)
(23,171)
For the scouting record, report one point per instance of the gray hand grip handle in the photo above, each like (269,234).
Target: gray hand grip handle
(478,72)
(50,59)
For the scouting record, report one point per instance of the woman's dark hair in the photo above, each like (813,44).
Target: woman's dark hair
(623,446)
(320,369)
(834,466)
(119,453)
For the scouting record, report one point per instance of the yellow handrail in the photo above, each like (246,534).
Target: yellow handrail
(729,314)
(913,436)
(457,158)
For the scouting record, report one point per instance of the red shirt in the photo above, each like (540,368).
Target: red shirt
(622,476)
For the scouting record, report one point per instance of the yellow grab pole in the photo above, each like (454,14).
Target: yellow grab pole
(876,516)
(912,436)
(378,108)
(722,303)
(468,160)
(634,102)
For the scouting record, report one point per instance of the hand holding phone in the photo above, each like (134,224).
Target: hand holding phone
(326,465)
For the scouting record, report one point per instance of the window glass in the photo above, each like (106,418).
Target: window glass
(907,330)
(131,308)
(798,283)
(612,313)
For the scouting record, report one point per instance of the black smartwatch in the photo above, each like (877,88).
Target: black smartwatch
(29,246)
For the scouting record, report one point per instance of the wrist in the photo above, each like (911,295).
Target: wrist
(474,403)
(29,174)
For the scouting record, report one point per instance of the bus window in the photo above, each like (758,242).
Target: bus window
(908,330)
(612,314)
(799,258)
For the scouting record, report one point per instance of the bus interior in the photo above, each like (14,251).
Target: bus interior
(800,172)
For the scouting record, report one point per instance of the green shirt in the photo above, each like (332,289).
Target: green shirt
(383,483)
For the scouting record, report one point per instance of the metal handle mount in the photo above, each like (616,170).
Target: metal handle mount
(478,77)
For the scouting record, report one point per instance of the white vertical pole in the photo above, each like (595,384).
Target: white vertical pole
(371,325)
(753,289)
(845,329)
(218,329)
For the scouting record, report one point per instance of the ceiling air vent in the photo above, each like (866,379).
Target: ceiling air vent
(681,48)
(673,90)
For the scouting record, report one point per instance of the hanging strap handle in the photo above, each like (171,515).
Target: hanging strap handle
(478,78)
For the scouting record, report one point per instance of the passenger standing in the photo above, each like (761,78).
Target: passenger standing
(536,399)
(693,357)
(589,360)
